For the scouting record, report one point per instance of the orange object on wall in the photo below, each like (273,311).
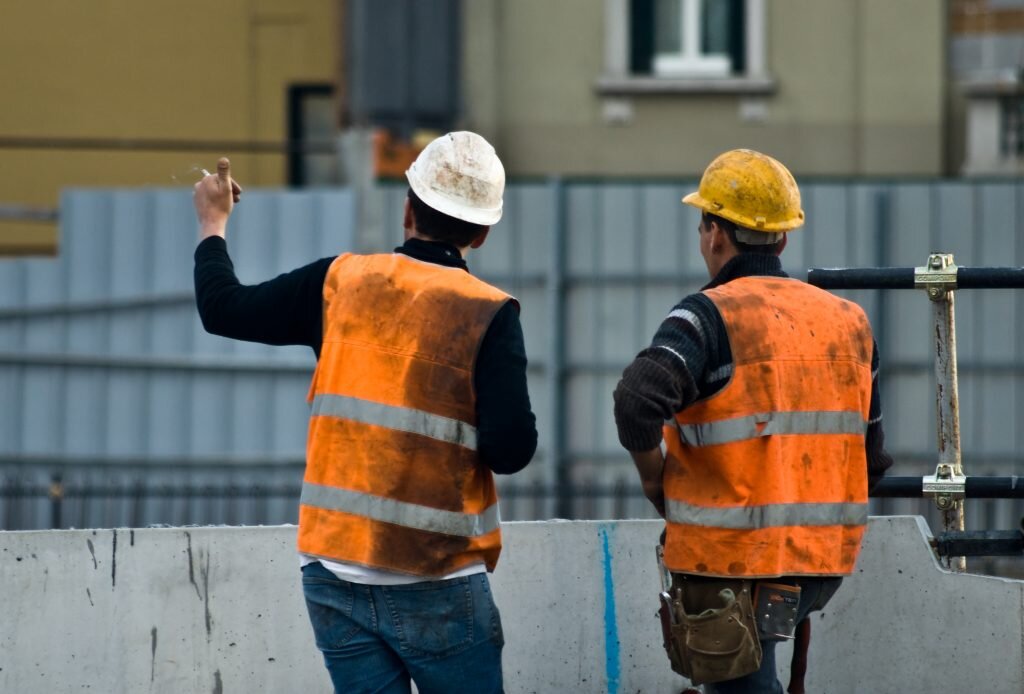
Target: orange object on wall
(392,156)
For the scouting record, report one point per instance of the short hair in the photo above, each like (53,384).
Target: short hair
(442,227)
(730,230)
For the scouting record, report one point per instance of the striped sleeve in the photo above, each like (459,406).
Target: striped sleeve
(667,376)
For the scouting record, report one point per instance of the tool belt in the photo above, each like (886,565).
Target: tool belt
(709,629)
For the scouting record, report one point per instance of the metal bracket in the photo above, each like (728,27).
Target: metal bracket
(946,486)
(937,277)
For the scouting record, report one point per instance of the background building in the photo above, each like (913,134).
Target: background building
(986,68)
(120,410)
(648,88)
(124,93)
(659,87)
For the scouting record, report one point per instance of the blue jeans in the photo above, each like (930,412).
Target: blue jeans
(814,593)
(443,635)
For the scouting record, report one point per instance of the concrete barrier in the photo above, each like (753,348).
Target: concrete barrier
(220,609)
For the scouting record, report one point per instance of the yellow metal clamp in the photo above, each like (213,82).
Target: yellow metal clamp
(938,276)
(947,486)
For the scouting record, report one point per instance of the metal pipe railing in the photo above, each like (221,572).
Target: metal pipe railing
(980,543)
(975,487)
(905,278)
(940,278)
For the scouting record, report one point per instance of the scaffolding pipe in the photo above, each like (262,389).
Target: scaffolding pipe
(976,487)
(940,278)
(904,278)
(947,401)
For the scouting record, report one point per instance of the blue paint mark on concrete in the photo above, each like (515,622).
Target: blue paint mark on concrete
(611,628)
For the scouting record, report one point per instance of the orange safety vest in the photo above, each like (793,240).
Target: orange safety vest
(768,477)
(393,479)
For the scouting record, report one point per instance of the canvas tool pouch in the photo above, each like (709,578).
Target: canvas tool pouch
(713,633)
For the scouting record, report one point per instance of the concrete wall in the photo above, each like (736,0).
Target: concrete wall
(218,609)
(858,90)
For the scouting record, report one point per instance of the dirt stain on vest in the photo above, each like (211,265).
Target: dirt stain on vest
(807,462)
(421,552)
(799,552)
(757,389)
(737,568)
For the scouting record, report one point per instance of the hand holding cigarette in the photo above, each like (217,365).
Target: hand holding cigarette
(214,197)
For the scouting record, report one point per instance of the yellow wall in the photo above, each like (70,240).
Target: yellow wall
(186,70)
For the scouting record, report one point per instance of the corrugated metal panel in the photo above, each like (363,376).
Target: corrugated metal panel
(102,357)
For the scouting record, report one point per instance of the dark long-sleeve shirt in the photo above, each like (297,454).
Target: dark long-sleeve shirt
(689,359)
(288,310)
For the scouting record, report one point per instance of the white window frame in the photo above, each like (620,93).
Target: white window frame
(617,78)
(689,61)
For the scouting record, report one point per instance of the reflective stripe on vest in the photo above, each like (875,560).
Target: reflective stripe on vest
(398,418)
(767,516)
(770,423)
(402,513)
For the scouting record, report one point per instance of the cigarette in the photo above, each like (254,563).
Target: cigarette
(205,172)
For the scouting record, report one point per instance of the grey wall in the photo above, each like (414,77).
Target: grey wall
(220,610)
(107,376)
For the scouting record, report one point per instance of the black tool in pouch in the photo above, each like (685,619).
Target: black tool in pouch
(775,607)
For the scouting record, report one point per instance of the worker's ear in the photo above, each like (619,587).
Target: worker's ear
(479,240)
(408,221)
(782,244)
(718,239)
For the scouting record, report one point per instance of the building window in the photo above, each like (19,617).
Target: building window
(685,46)
(312,129)
(1011,122)
(688,38)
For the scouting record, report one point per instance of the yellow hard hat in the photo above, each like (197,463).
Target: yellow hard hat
(750,189)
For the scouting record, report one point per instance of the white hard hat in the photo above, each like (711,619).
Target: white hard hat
(460,175)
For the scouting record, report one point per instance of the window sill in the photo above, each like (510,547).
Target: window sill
(992,89)
(629,86)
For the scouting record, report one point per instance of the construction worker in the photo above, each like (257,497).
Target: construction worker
(419,395)
(774,430)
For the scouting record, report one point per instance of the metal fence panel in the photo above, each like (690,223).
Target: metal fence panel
(107,377)
(104,361)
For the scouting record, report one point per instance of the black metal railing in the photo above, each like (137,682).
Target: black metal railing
(949,486)
(61,504)
(975,487)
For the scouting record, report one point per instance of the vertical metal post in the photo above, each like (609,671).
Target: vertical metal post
(557,473)
(947,399)
(138,504)
(56,494)
(948,408)
(882,225)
